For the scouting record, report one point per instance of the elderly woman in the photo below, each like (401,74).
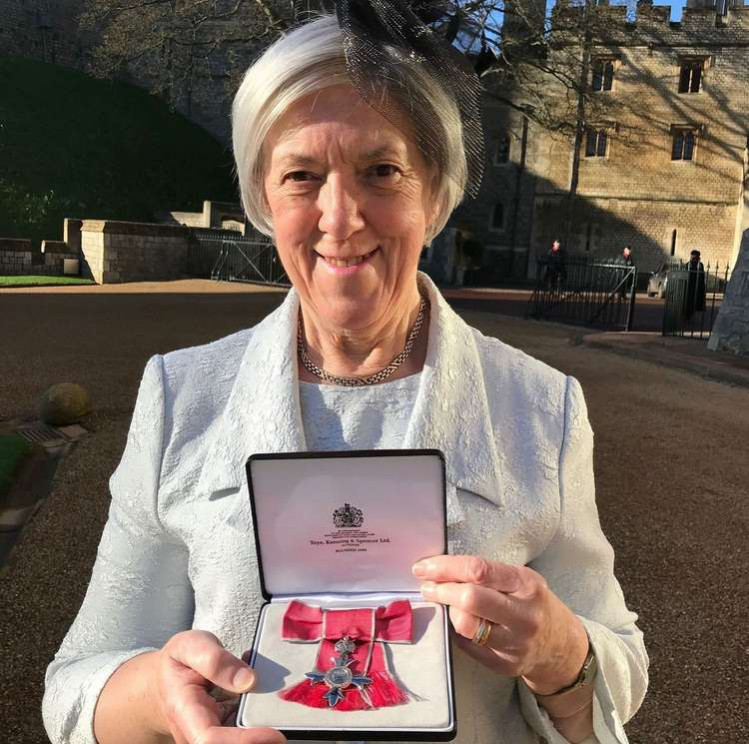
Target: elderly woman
(364,353)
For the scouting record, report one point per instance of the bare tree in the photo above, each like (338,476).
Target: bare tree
(528,60)
(167,43)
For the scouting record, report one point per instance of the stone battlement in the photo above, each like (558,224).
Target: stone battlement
(700,26)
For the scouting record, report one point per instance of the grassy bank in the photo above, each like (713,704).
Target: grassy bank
(86,148)
(41,281)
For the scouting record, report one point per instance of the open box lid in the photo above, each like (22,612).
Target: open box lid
(349,522)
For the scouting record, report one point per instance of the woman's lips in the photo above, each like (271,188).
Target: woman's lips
(349,265)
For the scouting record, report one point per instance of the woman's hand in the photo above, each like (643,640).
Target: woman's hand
(533,635)
(183,675)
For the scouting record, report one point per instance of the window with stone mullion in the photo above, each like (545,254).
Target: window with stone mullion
(595,143)
(690,77)
(603,75)
(683,145)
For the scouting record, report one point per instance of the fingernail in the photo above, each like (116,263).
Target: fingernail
(243,679)
(427,588)
(419,569)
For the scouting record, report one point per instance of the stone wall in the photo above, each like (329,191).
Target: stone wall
(202,82)
(46,30)
(17,257)
(132,251)
(54,254)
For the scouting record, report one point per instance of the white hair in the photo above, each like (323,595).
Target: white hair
(308,59)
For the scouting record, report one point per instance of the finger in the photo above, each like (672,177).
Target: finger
(227,710)
(477,601)
(466,625)
(193,713)
(243,736)
(202,652)
(473,569)
(486,656)
(201,720)
(221,696)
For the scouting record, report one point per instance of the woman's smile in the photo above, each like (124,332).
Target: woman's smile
(346,266)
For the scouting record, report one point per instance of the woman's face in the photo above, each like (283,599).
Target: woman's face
(350,202)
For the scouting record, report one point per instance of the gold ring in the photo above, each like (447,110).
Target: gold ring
(481,636)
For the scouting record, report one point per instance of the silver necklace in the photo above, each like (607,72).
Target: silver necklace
(383,374)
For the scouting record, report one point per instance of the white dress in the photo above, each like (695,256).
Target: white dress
(178,549)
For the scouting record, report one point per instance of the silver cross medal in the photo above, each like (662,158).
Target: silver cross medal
(340,677)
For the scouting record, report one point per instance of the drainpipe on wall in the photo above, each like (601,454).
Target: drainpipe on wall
(516,206)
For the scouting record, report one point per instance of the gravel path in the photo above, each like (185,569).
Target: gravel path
(670,460)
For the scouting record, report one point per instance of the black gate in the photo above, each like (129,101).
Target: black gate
(228,256)
(693,298)
(580,291)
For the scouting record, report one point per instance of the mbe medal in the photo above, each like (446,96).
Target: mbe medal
(340,677)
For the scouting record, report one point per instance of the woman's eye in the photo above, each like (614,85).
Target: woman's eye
(385,170)
(298,176)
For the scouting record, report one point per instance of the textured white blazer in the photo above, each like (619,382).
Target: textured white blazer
(178,550)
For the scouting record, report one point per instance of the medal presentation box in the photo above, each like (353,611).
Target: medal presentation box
(345,647)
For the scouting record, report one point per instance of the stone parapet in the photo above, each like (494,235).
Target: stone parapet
(115,251)
(55,246)
(71,233)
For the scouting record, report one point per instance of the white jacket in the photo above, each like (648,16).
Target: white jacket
(178,549)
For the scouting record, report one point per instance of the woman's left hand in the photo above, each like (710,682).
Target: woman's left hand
(533,635)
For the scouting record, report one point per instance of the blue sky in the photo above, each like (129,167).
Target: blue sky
(676,6)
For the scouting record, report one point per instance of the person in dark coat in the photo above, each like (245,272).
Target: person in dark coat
(694,300)
(628,261)
(556,269)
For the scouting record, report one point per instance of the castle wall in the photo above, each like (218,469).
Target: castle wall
(637,195)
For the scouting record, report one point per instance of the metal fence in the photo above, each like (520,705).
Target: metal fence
(693,298)
(229,256)
(584,292)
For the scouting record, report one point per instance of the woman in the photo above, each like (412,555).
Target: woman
(364,353)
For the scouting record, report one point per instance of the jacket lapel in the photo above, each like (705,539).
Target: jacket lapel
(451,412)
(262,413)
(452,408)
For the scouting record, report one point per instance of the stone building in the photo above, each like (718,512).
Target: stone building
(661,163)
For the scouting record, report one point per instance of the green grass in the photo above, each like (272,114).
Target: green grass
(12,451)
(73,146)
(41,281)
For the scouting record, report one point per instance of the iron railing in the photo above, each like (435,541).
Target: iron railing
(584,291)
(229,256)
(693,298)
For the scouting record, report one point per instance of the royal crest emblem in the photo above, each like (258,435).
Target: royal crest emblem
(348,516)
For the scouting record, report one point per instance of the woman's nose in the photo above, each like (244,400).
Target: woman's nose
(340,213)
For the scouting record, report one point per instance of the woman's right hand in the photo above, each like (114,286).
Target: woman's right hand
(182,675)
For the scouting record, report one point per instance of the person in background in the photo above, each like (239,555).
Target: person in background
(627,260)
(556,269)
(694,300)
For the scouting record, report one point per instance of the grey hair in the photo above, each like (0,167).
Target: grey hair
(308,59)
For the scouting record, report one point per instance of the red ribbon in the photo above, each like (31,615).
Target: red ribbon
(390,624)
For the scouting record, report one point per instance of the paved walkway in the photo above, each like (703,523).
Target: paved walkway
(671,472)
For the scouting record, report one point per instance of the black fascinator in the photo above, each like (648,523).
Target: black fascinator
(382,39)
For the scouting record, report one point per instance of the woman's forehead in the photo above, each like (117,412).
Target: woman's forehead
(335,117)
